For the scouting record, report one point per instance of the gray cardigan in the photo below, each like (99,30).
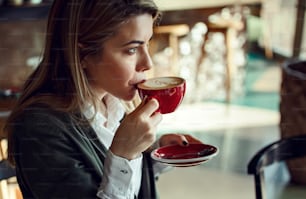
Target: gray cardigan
(58,156)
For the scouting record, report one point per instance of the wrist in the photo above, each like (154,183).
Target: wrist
(155,145)
(128,156)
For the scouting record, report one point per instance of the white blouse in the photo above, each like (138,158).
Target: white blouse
(121,177)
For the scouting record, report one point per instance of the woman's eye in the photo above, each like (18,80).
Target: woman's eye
(132,50)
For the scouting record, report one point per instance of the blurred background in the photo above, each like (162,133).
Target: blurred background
(232,54)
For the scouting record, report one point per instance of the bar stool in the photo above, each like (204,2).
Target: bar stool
(173,33)
(224,27)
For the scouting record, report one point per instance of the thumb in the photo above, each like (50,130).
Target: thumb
(170,139)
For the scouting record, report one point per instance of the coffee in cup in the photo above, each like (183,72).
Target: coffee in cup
(168,91)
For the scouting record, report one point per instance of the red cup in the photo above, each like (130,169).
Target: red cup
(168,91)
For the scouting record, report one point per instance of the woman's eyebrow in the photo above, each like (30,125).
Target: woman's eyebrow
(134,42)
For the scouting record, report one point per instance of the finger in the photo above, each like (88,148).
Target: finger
(183,140)
(192,139)
(144,100)
(149,107)
(170,139)
(140,106)
(156,118)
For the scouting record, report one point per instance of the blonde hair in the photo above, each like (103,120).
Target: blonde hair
(59,81)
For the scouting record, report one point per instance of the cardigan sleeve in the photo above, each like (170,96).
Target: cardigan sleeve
(49,161)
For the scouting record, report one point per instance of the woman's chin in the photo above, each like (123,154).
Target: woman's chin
(130,96)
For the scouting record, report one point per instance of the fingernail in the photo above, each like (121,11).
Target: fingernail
(185,143)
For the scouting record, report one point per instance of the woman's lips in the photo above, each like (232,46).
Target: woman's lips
(138,82)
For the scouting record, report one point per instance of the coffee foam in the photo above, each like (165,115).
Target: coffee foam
(161,83)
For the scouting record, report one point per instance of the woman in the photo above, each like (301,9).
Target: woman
(68,136)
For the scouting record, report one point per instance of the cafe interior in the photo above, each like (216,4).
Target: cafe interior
(243,64)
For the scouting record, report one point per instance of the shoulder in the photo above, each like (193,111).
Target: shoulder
(41,120)
(41,113)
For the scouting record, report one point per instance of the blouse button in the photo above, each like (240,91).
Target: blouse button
(124,171)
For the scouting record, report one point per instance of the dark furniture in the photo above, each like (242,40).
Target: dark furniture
(282,150)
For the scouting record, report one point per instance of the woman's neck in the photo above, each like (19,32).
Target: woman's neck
(103,107)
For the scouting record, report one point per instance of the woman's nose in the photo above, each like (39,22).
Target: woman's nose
(145,61)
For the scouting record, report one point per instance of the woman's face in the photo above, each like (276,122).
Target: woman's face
(123,60)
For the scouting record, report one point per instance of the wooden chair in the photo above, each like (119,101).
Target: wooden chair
(9,188)
(282,150)
(3,149)
(6,172)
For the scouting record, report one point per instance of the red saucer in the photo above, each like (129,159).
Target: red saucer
(182,156)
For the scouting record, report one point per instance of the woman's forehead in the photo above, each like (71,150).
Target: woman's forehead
(139,27)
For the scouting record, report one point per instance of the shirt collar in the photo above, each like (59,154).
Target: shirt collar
(115,112)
